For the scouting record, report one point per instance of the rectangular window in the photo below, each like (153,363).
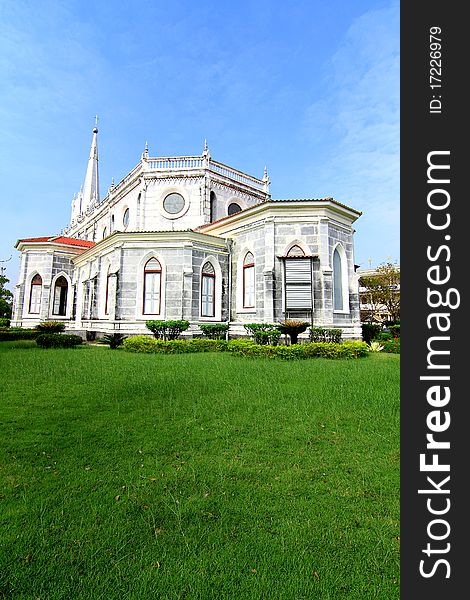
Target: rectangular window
(249,286)
(207,296)
(152,284)
(35,299)
(60,301)
(298,284)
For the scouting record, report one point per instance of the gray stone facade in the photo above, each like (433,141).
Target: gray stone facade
(103,253)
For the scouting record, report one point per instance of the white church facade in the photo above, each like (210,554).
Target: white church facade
(190,238)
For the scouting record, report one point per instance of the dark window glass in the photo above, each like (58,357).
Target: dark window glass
(233,208)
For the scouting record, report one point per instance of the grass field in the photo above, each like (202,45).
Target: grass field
(197,476)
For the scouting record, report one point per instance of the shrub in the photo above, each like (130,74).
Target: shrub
(214,331)
(383,336)
(58,340)
(4,322)
(264,333)
(375,346)
(146,344)
(114,340)
(392,346)
(299,351)
(322,334)
(293,328)
(140,343)
(395,330)
(17,333)
(370,331)
(167,330)
(243,347)
(50,327)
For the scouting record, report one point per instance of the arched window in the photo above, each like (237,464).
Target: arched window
(35,294)
(106,296)
(61,289)
(208,290)
(233,208)
(213,200)
(249,281)
(111,227)
(125,218)
(105,233)
(152,287)
(339,281)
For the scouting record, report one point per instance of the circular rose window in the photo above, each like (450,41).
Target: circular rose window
(173,203)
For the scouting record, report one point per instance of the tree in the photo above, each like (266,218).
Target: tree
(6,298)
(382,292)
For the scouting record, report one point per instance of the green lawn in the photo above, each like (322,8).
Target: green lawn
(197,476)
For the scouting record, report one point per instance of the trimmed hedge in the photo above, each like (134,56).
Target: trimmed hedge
(241,347)
(300,351)
(58,340)
(146,344)
(17,333)
(4,322)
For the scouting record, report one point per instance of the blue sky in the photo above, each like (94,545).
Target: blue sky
(308,88)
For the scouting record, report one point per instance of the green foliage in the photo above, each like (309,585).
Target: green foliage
(370,331)
(114,340)
(17,333)
(6,298)
(293,328)
(58,340)
(375,346)
(4,322)
(214,331)
(391,346)
(167,330)
(323,334)
(244,347)
(264,333)
(51,327)
(308,350)
(383,335)
(146,344)
(394,330)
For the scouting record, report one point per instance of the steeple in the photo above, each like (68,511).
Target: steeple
(90,191)
(91,188)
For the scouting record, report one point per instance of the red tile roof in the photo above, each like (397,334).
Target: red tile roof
(60,239)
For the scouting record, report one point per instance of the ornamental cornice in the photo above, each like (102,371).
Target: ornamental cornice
(178,180)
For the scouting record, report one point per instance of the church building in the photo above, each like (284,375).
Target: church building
(188,237)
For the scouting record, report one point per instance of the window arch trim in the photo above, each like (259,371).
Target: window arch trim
(35,294)
(152,287)
(340,282)
(249,281)
(65,303)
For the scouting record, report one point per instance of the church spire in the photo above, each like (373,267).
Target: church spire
(91,188)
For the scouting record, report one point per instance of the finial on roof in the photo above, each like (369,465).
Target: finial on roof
(95,128)
(206,148)
(145,153)
(266,180)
